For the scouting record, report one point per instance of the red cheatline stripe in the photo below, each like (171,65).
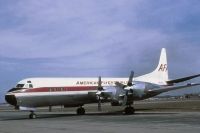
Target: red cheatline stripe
(58,89)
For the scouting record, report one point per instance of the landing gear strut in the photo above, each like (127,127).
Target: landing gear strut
(32,115)
(80,111)
(129,110)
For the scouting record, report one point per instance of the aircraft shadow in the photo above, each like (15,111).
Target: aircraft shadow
(57,115)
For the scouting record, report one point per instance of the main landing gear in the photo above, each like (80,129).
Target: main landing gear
(129,110)
(80,111)
(32,115)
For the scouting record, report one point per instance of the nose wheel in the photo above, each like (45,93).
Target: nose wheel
(32,115)
(80,111)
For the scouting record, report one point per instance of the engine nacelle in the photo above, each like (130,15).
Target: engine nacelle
(116,103)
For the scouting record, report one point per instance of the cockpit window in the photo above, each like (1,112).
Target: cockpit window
(20,86)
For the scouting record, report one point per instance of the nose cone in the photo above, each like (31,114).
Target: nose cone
(11,99)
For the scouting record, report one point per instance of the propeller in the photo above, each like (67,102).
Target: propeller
(99,89)
(122,87)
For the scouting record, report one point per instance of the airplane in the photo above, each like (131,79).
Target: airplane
(31,93)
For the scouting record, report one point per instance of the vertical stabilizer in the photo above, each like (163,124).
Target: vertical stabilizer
(160,74)
(161,71)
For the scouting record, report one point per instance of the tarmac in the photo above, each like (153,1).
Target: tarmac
(110,120)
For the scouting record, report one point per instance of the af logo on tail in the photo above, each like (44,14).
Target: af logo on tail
(163,67)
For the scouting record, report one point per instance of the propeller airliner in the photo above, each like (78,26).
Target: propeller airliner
(31,93)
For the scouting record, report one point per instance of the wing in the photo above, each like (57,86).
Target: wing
(182,79)
(26,108)
(170,88)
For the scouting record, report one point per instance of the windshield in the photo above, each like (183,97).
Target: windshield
(20,86)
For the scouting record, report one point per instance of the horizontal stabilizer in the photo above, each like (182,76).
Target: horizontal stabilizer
(182,79)
(170,88)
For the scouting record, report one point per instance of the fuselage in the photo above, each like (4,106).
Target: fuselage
(37,92)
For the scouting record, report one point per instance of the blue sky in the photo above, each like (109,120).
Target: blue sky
(94,37)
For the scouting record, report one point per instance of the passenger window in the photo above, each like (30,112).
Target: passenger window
(30,86)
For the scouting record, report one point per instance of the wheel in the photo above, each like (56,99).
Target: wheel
(129,110)
(80,111)
(32,115)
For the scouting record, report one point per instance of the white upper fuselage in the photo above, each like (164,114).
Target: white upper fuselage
(70,82)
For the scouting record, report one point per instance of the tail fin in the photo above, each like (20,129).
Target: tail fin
(160,74)
(161,71)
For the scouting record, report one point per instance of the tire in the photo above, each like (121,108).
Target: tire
(80,111)
(129,110)
(32,116)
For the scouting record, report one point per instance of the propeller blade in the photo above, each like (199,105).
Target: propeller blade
(100,88)
(130,80)
(99,103)
(125,100)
